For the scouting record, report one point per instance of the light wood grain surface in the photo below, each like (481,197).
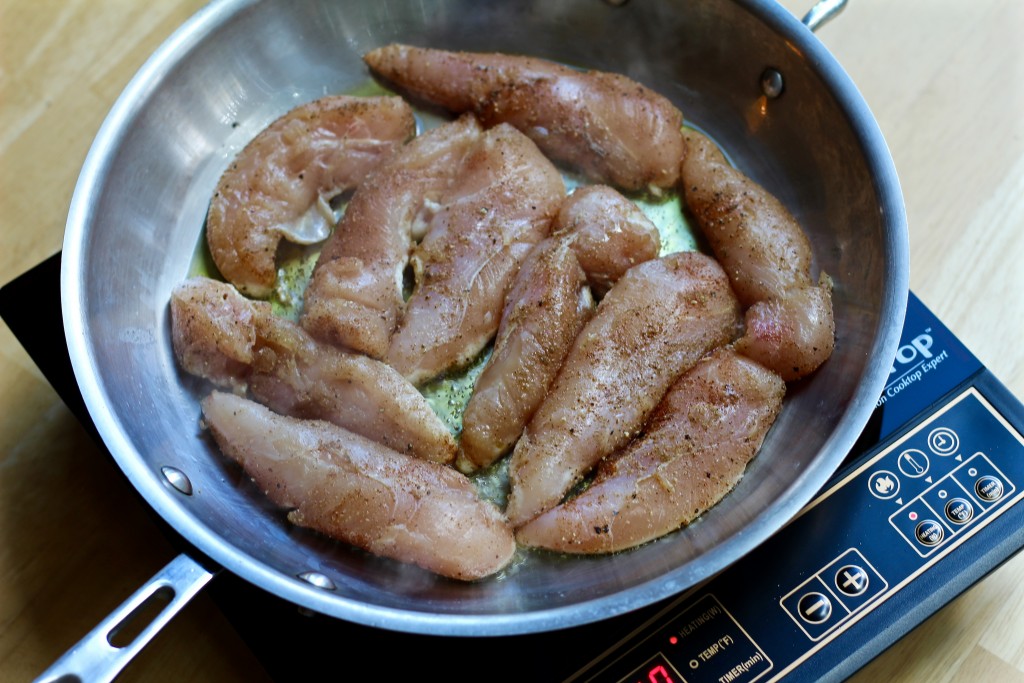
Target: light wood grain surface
(944,78)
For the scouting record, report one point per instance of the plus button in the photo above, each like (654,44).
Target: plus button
(852,580)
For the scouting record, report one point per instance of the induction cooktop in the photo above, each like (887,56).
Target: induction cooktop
(925,505)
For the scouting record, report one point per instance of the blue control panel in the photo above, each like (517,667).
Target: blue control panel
(895,531)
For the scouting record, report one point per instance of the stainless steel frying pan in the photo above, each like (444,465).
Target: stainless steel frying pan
(744,70)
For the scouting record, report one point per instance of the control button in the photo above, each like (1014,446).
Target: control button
(959,510)
(852,580)
(913,463)
(929,532)
(943,441)
(989,488)
(814,608)
(884,484)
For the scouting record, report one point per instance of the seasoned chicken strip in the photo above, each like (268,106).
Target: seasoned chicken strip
(355,296)
(360,492)
(501,205)
(608,232)
(757,241)
(793,335)
(610,127)
(213,331)
(768,259)
(222,336)
(280,184)
(653,325)
(694,450)
(544,311)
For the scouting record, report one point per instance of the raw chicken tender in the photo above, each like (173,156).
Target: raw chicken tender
(355,296)
(544,311)
(222,336)
(500,206)
(608,232)
(793,335)
(610,127)
(213,331)
(653,325)
(359,492)
(281,183)
(694,450)
(768,259)
(600,235)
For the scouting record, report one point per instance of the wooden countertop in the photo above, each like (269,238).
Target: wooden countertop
(944,78)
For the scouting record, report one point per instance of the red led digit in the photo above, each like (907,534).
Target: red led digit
(659,674)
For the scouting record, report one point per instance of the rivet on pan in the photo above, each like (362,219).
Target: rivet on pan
(317,579)
(177,479)
(772,84)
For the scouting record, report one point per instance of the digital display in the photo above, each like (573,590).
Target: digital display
(700,644)
(657,670)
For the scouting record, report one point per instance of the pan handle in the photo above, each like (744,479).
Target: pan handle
(823,12)
(101,655)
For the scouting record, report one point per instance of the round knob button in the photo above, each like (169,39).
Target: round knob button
(989,488)
(929,532)
(814,608)
(852,580)
(959,510)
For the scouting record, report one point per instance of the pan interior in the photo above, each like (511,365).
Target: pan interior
(139,209)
